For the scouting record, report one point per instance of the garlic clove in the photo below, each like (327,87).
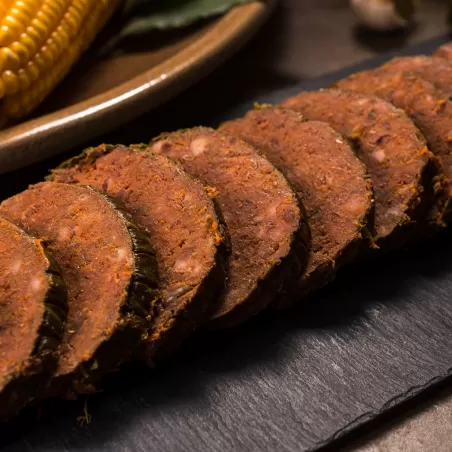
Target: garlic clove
(384,14)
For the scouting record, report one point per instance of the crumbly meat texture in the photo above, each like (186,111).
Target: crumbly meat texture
(428,107)
(181,222)
(269,236)
(434,69)
(329,179)
(444,51)
(33,312)
(406,176)
(108,270)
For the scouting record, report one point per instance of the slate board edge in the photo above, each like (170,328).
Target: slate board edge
(370,418)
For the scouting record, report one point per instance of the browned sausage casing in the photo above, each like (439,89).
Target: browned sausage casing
(33,311)
(428,107)
(406,176)
(444,51)
(329,179)
(181,222)
(434,69)
(269,236)
(109,270)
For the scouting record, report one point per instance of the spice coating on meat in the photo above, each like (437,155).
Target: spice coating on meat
(181,223)
(329,179)
(404,172)
(444,51)
(428,107)
(433,69)
(107,266)
(33,310)
(269,236)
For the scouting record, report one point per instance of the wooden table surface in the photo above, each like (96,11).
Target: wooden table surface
(305,39)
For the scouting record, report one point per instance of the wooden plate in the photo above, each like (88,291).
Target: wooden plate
(98,96)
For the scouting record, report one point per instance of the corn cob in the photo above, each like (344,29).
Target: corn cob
(40,40)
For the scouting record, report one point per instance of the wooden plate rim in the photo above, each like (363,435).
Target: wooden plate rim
(53,133)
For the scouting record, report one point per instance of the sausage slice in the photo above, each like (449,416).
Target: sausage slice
(269,236)
(329,179)
(444,51)
(404,172)
(434,69)
(181,223)
(428,107)
(33,311)
(109,270)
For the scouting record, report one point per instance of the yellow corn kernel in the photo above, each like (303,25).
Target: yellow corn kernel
(29,43)
(32,71)
(40,28)
(21,15)
(21,52)
(24,80)
(40,62)
(28,8)
(9,60)
(6,35)
(51,14)
(53,47)
(13,24)
(40,40)
(11,82)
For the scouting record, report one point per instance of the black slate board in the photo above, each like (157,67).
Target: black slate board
(297,381)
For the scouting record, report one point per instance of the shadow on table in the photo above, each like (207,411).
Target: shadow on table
(383,42)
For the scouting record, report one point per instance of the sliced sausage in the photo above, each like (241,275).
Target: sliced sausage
(109,270)
(269,236)
(434,69)
(428,107)
(406,177)
(181,223)
(444,51)
(33,311)
(330,180)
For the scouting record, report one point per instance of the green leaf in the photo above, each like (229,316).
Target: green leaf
(147,15)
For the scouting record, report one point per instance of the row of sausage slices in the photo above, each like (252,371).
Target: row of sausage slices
(124,251)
